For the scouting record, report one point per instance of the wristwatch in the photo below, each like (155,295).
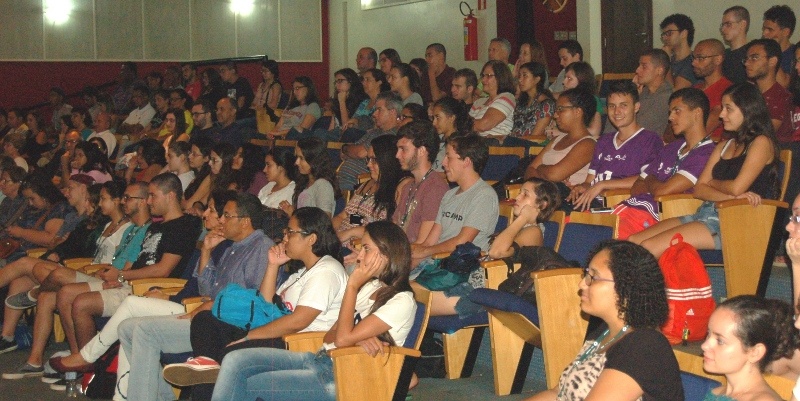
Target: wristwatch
(120,279)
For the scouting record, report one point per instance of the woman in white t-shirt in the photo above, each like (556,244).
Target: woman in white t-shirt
(111,205)
(494,115)
(377,310)
(280,171)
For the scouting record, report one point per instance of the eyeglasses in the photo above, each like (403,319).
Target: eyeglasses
(728,24)
(214,161)
(227,215)
(752,57)
(338,81)
(403,117)
(588,278)
(175,99)
(287,231)
(369,159)
(71,141)
(126,198)
(200,114)
(487,76)
(795,218)
(668,32)
(559,109)
(703,58)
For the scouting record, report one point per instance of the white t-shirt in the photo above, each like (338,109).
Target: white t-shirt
(141,116)
(503,102)
(397,312)
(108,137)
(186,178)
(321,287)
(106,246)
(274,199)
(19,161)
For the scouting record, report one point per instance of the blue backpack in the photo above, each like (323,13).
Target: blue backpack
(245,308)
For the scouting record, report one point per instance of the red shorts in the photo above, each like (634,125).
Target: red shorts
(632,220)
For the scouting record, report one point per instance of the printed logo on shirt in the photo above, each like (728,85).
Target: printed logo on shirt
(453,216)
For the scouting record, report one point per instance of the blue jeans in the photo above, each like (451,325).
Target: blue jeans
(275,374)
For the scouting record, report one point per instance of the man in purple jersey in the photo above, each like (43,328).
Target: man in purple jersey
(676,168)
(619,157)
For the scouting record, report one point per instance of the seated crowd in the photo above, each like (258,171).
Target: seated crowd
(170,176)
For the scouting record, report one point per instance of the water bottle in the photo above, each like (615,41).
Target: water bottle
(73,388)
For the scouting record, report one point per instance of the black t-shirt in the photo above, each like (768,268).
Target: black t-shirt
(177,237)
(239,89)
(82,241)
(646,356)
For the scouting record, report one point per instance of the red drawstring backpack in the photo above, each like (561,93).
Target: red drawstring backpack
(688,292)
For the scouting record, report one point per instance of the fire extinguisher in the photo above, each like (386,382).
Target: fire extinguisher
(470,33)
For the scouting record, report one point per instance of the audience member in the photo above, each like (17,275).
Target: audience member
(536,202)
(348,96)
(248,164)
(535,104)
(191,83)
(493,115)
(302,112)
(779,24)
(121,96)
(581,74)
(316,180)
(387,59)
(238,88)
(388,107)
(269,91)
(81,121)
(177,130)
(565,159)
(281,172)
(450,117)
(228,130)
(366,59)
(532,51)
(677,34)
(417,207)
(16,119)
(90,97)
(734,27)
(622,286)
(742,167)
(60,108)
(213,88)
(149,161)
(677,166)
(36,141)
(654,90)
(569,51)
(762,64)
(13,143)
(4,126)
(465,85)
(222,176)
(707,65)
(618,158)
(178,162)
(90,160)
(179,99)
(440,75)
(374,82)
(172,78)
(199,189)
(405,82)
(500,50)
(140,116)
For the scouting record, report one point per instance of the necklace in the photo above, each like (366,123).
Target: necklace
(410,201)
(128,239)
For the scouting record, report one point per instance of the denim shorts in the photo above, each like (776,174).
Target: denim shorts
(464,307)
(707,215)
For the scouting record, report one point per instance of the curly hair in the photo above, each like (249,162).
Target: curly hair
(311,92)
(379,76)
(252,163)
(385,147)
(453,107)
(540,71)
(638,282)
(783,320)
(315,221)
(96,159)
(226,175)
(355,95)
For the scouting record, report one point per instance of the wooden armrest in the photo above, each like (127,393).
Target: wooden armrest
(77,263)
(140,286)
(36,252)
(356,349)
(193,300)
(742,202)
(671,197)
(310,341)
(91,269)
(171,290)
(495,271)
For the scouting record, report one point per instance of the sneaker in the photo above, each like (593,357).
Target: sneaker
(26,370)
(60,385)
(7,346)
(51,378)
(194,371)
(779,261)
(20,301)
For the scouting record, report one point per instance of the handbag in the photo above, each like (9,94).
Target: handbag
(532,258)
(245,308)
(10,245)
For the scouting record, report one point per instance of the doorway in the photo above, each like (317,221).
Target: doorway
(627,31)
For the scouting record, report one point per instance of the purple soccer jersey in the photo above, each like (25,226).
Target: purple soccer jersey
(611,162)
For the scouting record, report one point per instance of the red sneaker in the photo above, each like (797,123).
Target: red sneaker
(194,371)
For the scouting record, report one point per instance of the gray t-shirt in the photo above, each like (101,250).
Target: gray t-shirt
(294,117)
(413,98)
(319,194)
(654,111)
(477,207)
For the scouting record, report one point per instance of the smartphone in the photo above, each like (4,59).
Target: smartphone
(601,209)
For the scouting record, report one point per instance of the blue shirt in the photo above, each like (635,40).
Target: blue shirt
(130,246)
(243,263)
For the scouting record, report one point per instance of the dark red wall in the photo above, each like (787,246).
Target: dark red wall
(27,83)
(546,22)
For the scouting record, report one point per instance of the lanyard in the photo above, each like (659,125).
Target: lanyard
(410,201)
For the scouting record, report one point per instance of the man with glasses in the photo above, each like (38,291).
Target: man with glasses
(761,65)
(734,27)
(654,90)
(102,130)
(228,130)
(707,65)
(677,34)
(202,119)
(388,107)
